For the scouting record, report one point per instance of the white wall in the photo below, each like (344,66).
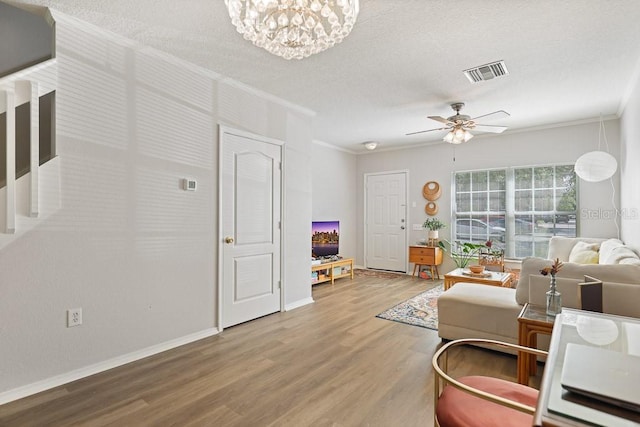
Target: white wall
(334,192)
(127,244)
(546,146)
(628,165)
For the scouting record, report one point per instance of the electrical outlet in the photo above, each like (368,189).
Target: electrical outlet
(74,317)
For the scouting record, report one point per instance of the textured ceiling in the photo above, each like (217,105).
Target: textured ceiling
(569,60)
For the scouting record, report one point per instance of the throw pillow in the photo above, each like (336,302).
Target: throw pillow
(584,253)
(607,249)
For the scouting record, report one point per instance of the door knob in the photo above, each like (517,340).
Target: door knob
(228,239)
(402,227)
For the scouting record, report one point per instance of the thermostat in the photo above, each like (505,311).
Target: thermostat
(189,184)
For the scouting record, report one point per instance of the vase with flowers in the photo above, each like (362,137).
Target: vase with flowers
(554,298)
(491,255)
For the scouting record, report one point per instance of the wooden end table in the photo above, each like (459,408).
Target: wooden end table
(493,278)
(430,256)
(532,320)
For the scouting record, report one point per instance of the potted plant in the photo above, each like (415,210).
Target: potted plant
(461,252)
(491,255)
(433,225)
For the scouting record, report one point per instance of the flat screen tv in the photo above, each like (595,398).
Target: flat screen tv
(325,236)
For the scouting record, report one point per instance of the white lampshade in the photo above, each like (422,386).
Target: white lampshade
(596,166)
(457,135)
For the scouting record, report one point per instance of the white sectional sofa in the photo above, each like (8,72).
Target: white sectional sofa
(470,310)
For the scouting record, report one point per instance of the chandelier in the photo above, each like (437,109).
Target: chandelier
(457,135)
(293,28)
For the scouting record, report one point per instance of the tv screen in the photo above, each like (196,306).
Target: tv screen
(325,236)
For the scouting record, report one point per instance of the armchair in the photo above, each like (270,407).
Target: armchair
(479,400)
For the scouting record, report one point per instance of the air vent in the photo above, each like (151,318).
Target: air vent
(486,72)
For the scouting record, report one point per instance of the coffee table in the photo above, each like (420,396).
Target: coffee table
(493,278)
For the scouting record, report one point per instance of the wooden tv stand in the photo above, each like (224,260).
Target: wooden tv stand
(329,269)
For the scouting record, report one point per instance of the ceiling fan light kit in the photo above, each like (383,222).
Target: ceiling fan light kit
(293,29)
(457,136)
(459,125)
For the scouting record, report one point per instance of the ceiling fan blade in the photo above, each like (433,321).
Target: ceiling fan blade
(500,114)
(441,120)
(423,131)
(490,129)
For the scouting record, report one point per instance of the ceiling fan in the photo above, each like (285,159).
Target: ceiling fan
(459,125)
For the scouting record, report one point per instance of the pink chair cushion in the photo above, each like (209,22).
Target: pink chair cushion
(457,408)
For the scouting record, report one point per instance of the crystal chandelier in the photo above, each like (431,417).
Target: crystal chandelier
(293,28)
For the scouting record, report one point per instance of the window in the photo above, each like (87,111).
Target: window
(518,209)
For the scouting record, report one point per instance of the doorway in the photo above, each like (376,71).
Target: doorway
(250,227)
(386,221)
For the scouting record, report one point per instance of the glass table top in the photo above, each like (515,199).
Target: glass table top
(537,313)
(616,333)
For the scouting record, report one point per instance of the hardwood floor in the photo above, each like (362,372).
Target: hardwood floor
(331,363)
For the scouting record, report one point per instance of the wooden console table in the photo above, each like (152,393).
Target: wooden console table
(333,270)
(430,256)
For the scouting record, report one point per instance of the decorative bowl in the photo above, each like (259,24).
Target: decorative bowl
(476,269)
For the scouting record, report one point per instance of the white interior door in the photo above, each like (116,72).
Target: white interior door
(386,233)
(250,233)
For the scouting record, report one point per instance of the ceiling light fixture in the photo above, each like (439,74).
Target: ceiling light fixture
(293,29)
(457,135)
(596,166)
(370,145)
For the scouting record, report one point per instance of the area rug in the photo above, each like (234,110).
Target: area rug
(377,273)
(421,310)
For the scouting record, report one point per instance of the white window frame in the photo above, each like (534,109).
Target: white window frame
(510,213)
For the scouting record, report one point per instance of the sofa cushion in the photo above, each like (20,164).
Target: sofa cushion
(560,247)
(620,254)
(488,308)
(584,253)
(622,273)
(617,298)
(458,408)
(530,265)
(630,261)
(568,288)
(613,251)
(621,299)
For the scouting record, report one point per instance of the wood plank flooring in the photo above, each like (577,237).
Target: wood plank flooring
(331,363)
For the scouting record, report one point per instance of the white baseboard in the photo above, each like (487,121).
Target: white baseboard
(298,304)
(58,380)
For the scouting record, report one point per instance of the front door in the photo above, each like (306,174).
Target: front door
(386,233)
(250,185)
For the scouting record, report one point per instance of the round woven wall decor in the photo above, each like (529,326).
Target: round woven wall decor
(431,208)
(431,191)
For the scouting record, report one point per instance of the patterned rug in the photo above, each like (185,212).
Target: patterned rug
(421,310)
